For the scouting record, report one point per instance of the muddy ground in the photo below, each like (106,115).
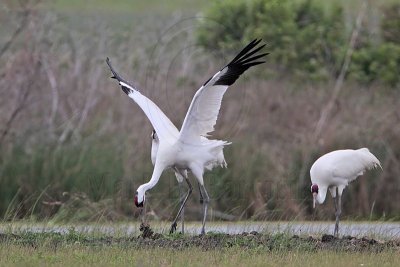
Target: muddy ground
(245,240)
(258,240)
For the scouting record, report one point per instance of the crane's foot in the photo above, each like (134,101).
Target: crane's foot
(183,229)
(336,231)
(173,228)
(203,231)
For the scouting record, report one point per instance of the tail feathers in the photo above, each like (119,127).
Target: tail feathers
(217,150)
(369,159)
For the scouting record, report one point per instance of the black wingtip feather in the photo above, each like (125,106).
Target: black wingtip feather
(255,50)
(248,47)
(243,61)
(253,58)
(119,78)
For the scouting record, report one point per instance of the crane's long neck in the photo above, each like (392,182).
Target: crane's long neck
(158,169)
(322,194)
(154,150)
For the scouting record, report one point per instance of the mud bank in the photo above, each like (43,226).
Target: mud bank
(210,241)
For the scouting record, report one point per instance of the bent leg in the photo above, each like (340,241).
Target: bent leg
(173,226)
(181,199)
(201,194)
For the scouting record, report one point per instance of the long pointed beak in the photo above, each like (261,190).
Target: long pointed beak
(141,214)
(314,199)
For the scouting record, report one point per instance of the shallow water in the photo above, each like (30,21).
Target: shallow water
(384,230)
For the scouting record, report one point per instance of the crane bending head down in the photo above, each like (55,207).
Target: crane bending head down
(335,170)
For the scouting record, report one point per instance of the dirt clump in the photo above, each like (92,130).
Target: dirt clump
(146,231)
(328,238)
(349,243)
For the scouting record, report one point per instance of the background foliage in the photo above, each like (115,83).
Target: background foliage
(306,39)
(73,147)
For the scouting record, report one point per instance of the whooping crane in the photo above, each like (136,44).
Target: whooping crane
(189,149)
(334,171)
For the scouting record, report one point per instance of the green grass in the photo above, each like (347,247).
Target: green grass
(96,249)
(76,254)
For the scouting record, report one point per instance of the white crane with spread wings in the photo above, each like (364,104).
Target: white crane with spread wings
(189,149)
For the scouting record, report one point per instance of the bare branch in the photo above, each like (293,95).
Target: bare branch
(27,7)
(21,105)
(15,34)
(339,82)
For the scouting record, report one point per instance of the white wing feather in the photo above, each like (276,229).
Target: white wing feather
(203,113)
(163,126)
(345,164)
(161,123)
(204,109)
(352,163)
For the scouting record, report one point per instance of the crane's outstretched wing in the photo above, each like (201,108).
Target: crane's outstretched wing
(162,125)
(204,109)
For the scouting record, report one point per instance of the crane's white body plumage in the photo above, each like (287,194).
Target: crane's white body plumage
(186,149)
(189,149)
(338,168)
(334,171)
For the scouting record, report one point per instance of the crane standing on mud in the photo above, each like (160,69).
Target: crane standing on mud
(334,171)
(189,149)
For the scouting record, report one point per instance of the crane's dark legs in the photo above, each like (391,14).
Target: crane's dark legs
(201,194)
(206,200)
(338,211)
(181,198)
(173,226)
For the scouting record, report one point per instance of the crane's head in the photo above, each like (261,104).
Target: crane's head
(314,191)
(139,199)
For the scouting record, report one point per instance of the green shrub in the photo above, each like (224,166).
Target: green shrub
(320,41)
(390,26)
(274,22)
(224,24)
(380,62)
(377,64)
(303,39)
